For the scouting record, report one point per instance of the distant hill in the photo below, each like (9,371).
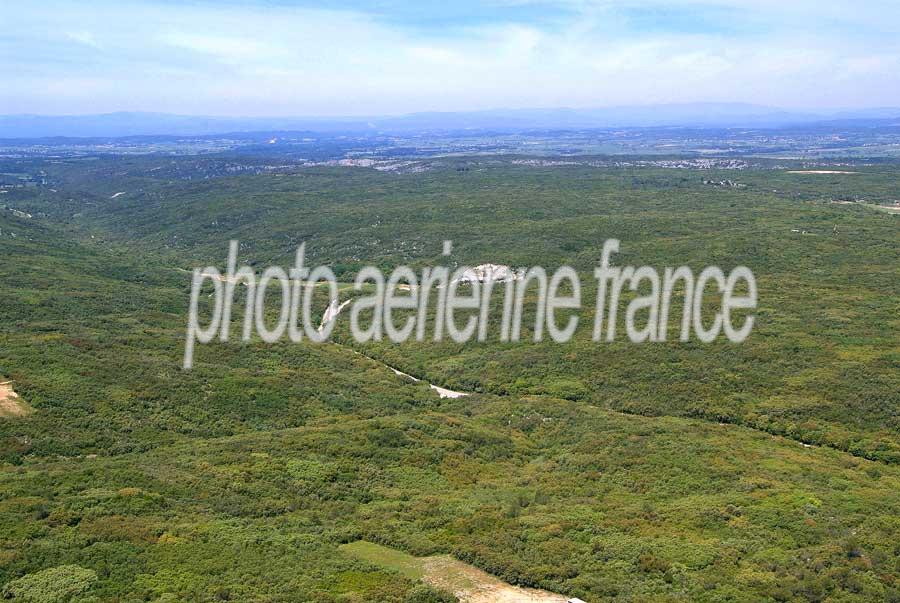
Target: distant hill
(702,115)
(113,125)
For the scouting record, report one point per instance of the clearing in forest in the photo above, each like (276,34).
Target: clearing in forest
(468,583)
(10,403)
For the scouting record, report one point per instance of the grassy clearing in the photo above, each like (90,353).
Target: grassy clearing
(469,584)
(382,556)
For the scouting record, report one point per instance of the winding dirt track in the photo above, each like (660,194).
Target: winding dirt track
(332,313)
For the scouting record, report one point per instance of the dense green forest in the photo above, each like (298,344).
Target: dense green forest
(768,470)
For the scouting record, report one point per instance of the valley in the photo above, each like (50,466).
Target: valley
(609,471)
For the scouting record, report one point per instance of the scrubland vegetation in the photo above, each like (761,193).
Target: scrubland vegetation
(765,471)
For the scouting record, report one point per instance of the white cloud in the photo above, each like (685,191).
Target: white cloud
(85,38)
(269,61)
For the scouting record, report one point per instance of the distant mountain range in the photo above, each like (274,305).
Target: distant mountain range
(699,115)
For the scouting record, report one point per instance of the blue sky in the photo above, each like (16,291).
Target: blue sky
(395,56)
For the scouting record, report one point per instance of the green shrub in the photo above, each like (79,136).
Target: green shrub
(51,585)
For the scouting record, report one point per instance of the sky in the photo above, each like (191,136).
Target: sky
(327,58)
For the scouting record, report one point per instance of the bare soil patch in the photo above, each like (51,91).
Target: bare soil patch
(471,585)
(10,403)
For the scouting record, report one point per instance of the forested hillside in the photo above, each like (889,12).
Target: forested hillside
(765,471)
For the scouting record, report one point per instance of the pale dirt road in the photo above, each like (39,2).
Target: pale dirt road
(819,172)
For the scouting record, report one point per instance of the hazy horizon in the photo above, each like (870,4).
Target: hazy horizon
(824,112)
